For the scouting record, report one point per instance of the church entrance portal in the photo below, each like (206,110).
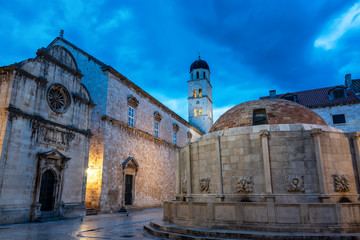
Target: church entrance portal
(128,189)
(46,198)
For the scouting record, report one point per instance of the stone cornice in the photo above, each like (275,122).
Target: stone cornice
(83,100)
(204,96)
(150,98)
(194,80)
(130,84)
(42,52)
(146,134)
(15,112)
(16,68)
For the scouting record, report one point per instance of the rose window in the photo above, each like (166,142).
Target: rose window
(58,98)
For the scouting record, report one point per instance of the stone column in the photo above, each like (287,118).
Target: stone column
(178,176)
(355,139)
(218,150)
(188,172)
(315,134)
(264,134)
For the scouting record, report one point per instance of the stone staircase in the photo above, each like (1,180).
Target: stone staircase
(91,211)
(49,216)
(163,229)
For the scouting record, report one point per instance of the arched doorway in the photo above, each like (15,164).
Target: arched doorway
(46,198)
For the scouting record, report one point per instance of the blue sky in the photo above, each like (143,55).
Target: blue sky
(251,46)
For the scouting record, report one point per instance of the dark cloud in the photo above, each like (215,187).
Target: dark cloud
(251,46)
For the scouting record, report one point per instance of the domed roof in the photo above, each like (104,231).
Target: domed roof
(277,111)
(199,64)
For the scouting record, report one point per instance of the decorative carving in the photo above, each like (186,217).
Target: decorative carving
(157,116)
(355,135)
(245,184)
(49,135)
(315,132)
(341,182)
(132,101)
(205,185)
(264,133)
(175,127)
(295,184)
(184,186)
(58,98)
(189,135)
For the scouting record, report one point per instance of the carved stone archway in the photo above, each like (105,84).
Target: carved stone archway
(56,162)
(129,167)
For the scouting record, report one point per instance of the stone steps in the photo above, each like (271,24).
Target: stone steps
(49,216)
(163,229)
(91,211)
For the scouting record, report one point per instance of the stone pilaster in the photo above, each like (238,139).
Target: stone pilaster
(355,139)
(315,134)
(188,171)
(264,134)
(178,176)
(218,151)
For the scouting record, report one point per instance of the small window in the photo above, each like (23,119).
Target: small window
(156,129)
(197,112)
(194,93)
(259,117)
(174,137)
(200,92)
(197,74)
(204,75)
(339,93)
(290,98)
(131,116)
(339,118)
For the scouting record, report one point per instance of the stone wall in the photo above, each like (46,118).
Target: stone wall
(114,140)
(30,129)
(351,111)
(292,155)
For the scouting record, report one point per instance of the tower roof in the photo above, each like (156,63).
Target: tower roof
(199,64)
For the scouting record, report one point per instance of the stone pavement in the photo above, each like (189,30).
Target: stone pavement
(102,226)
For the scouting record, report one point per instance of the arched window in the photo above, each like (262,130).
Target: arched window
(200,92)
(194,93)
(195,112)
(197,74)
(204,74)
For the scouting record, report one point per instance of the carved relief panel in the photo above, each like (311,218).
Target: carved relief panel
(295,184)
(53,136)
(205,185)
(245,184)
(184,186)
(341,182)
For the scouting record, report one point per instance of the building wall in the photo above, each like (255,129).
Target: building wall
(292,154)
(351,111)
(29,127)
(114,140)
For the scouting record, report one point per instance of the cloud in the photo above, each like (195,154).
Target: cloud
(218,111)
(338,27)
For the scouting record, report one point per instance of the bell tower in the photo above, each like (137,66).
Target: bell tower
(200,104)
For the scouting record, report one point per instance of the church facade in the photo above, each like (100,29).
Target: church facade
(132,157)
(44,138)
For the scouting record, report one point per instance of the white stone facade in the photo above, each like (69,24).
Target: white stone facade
(45,131)
(152,157)
(350,111)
